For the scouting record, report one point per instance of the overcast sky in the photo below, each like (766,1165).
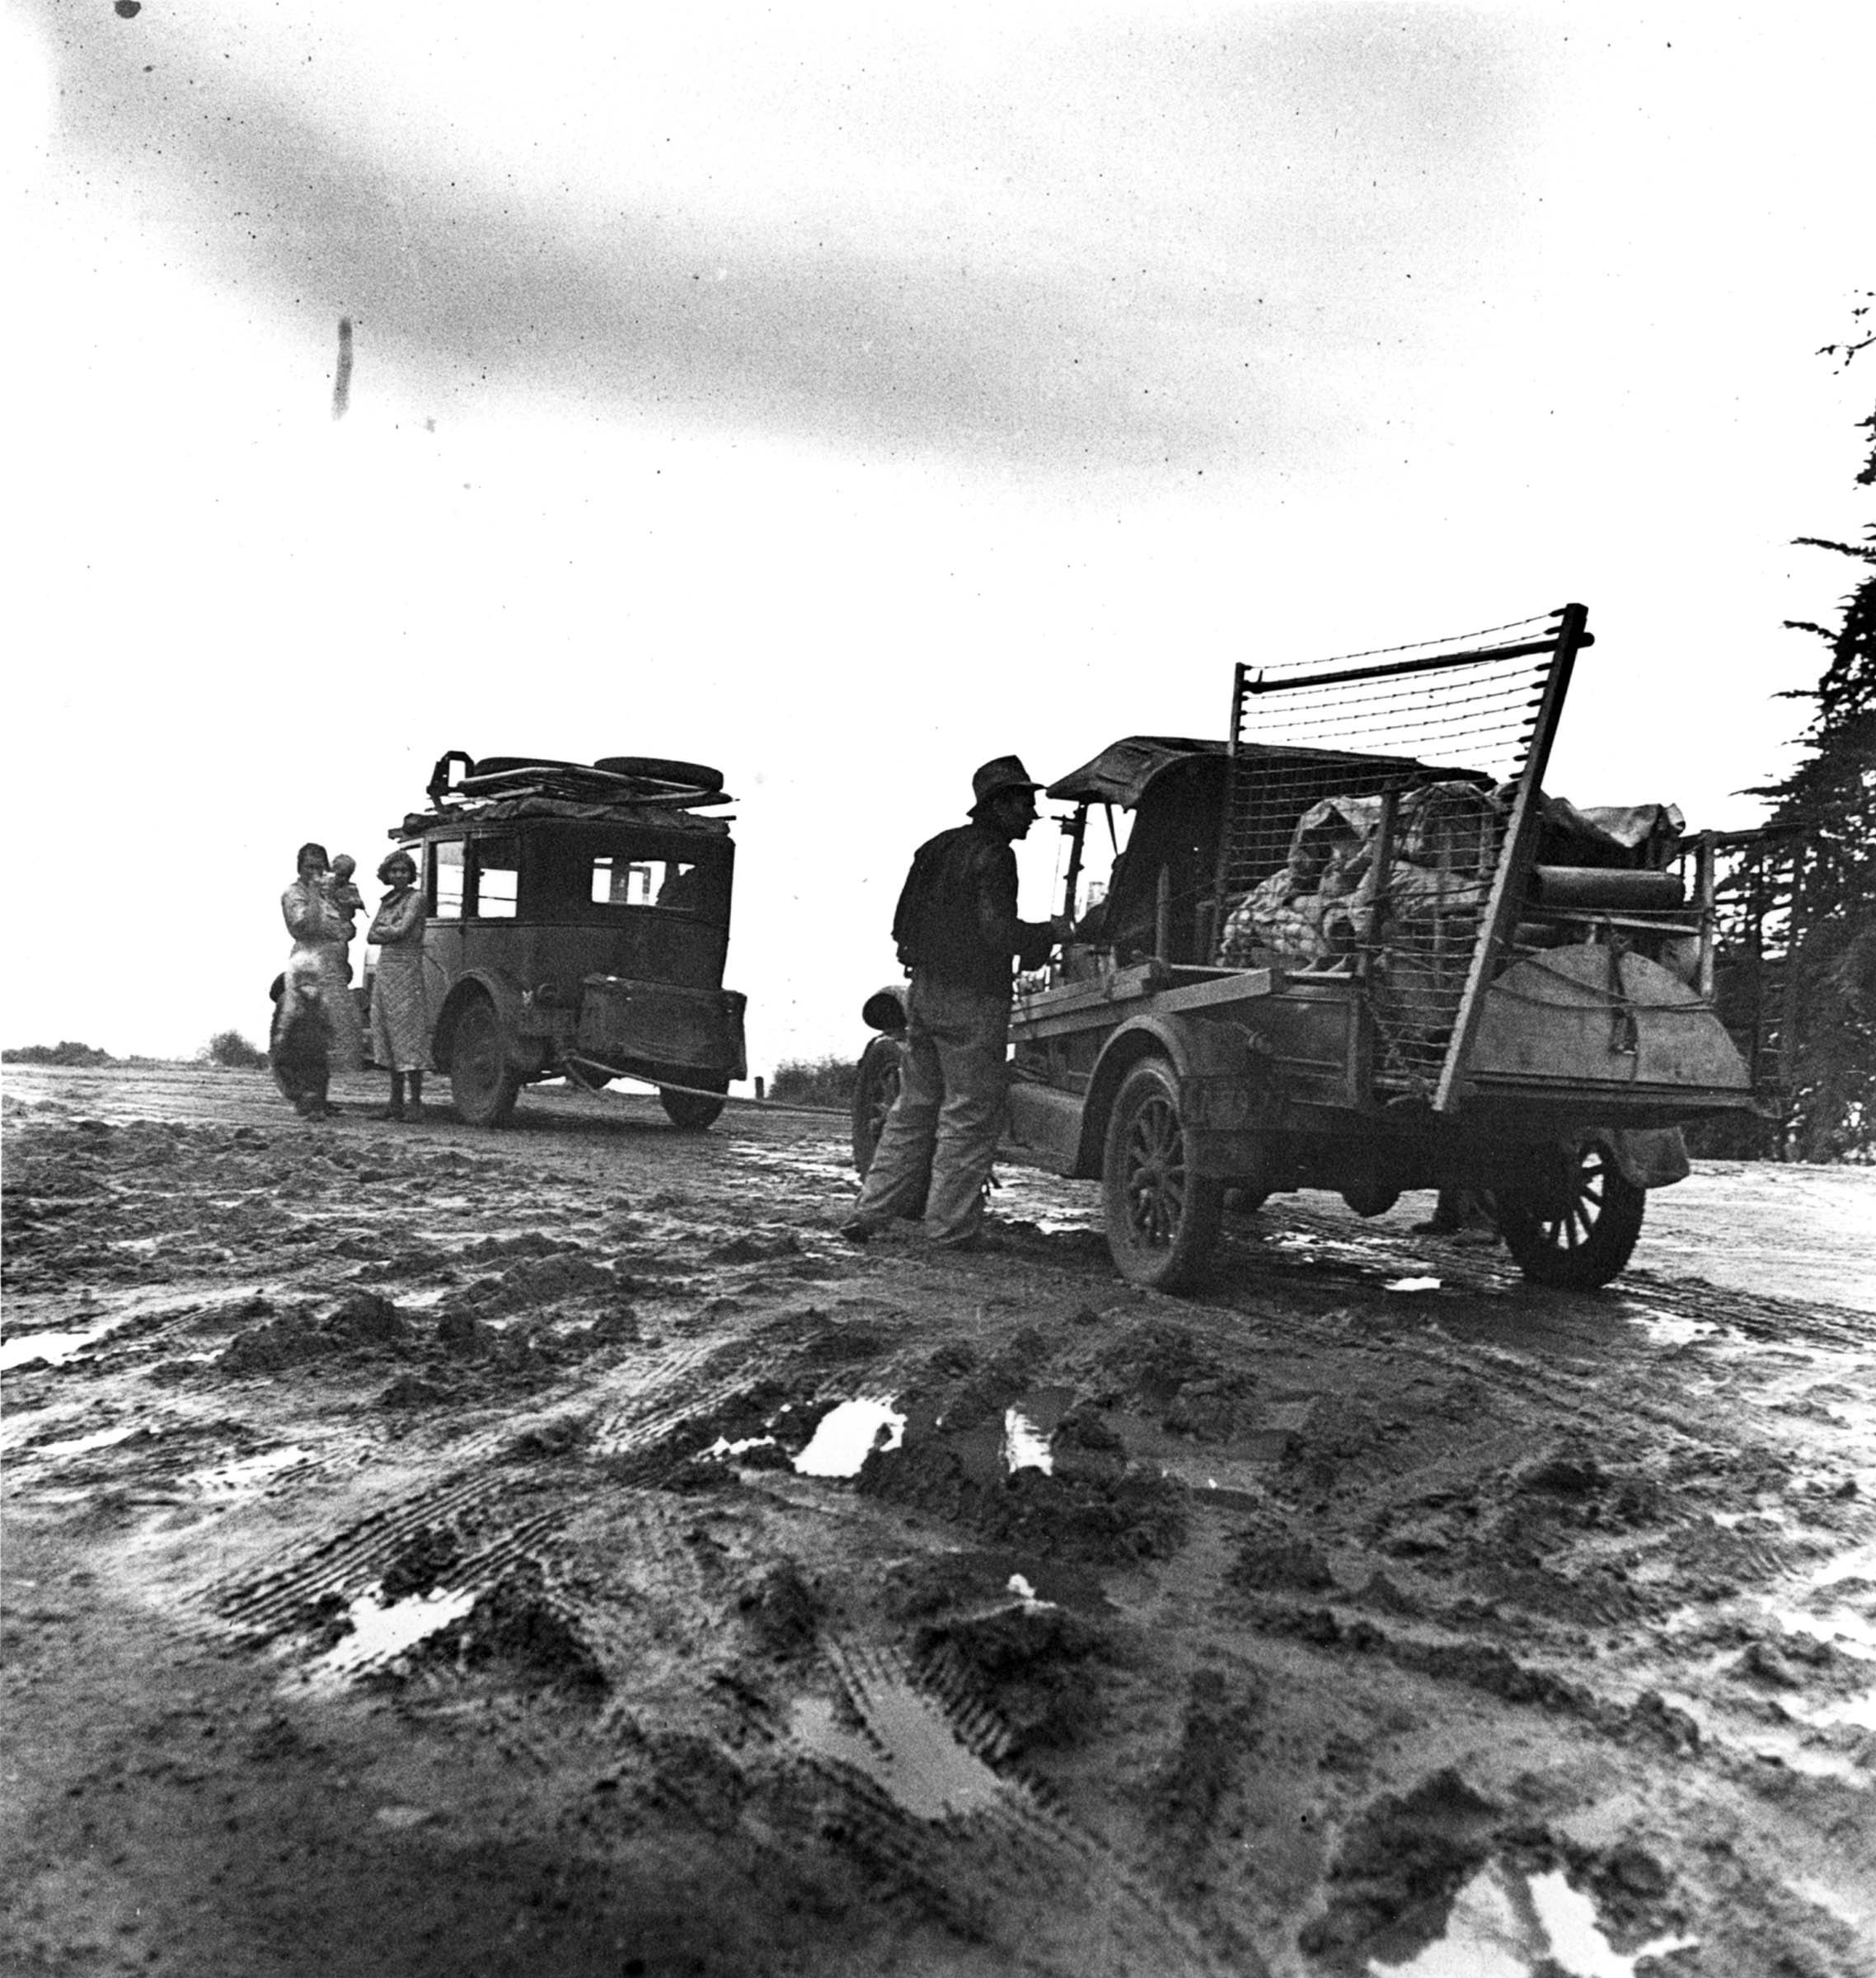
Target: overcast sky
(846,395)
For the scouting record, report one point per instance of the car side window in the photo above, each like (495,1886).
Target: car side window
(497,875)
(445,880)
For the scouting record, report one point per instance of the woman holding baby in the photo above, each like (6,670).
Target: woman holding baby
(318,908)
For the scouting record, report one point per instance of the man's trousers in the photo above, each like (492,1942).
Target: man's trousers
(948,1113)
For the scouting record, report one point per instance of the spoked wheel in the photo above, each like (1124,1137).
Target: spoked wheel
(1579,1234)
(874,1089)
(689,1109)
(482,1082)
(1162,1220)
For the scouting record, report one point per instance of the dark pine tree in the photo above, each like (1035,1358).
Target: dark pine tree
(1829,801)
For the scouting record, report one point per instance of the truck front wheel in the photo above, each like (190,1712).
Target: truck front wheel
(1579,1234)
(482,1082)
(1162,1219)
(875,1086)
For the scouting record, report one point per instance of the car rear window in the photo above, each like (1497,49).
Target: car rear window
(620,880)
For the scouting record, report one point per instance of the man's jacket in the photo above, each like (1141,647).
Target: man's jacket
(957,920)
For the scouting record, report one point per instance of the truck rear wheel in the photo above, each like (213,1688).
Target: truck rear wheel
(1162,1219)
(482,1082)
(689,1109)
(1580,1236)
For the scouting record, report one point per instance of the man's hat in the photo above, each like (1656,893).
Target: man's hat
(1006,772)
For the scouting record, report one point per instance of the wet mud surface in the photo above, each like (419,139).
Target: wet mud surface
(553,1551)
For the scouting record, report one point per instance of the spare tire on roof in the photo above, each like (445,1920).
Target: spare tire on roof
(662,769)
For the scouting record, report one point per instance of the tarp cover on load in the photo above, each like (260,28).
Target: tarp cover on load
(1318,905)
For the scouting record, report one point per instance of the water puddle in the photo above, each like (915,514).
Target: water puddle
(1811,1764)
(55,1345)
(76,1445)
(246,1474)
(1670,1328)
(847,1434)
(904,1743)
(1024,1445)
(1505,1924)
(381,1633)
(722,1447)
(1850,1713)
(1054,1206)
(1841,1625)
(53,1348)
(1833,1902)
(1859,1562)
(1412,1284)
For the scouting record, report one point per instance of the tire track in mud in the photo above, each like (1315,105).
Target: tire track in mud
(345,1559)
(664,1397)
(490,1466)
(983,1850)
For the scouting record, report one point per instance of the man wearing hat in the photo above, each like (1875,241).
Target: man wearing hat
(958,934)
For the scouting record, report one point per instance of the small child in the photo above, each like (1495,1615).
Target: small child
(343,897)
(298,1044)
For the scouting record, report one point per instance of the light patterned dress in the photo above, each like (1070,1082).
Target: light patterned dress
(400,1018)
(319,930)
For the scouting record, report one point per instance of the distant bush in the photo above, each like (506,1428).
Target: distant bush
(231,1048)
(821,1081)
(65,1053)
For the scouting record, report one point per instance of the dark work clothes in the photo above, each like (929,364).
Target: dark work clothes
(299,1054)
(956,921)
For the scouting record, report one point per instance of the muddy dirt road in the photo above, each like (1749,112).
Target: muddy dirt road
(553,1551)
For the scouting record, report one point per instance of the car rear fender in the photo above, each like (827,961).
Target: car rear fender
(523,1054)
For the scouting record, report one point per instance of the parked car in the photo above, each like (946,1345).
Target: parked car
(1334,966)
(577,923)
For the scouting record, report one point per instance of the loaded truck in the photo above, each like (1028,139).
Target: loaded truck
(1354,946)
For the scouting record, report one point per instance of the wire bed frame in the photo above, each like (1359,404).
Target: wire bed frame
(1379,821)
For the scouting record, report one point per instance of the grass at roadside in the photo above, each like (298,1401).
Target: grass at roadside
(820,1081)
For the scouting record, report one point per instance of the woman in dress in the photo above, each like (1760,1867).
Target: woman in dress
(400,1018)
(319,931)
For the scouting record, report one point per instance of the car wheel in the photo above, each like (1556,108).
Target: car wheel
(1578,1236)
(687,1110)
(1162,1220)
(482,1082)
